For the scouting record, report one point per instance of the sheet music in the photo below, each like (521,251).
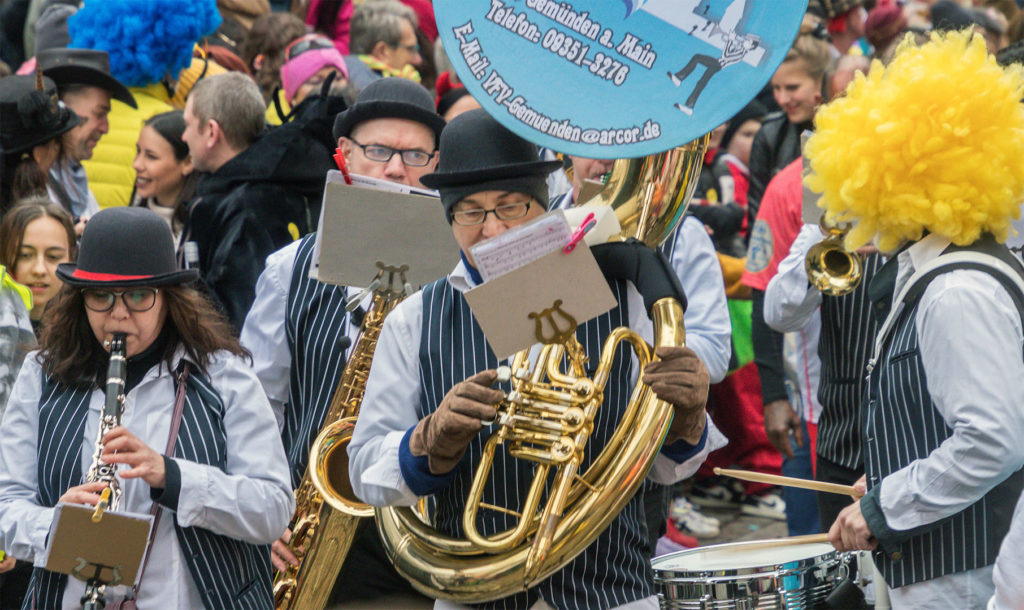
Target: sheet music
(364,182)
(521,245)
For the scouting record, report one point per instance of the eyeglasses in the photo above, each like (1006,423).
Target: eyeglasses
(309,42)
(137,300)
(505,211)
(383,154)
(413,48)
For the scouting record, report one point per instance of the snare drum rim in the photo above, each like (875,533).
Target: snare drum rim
(676,575)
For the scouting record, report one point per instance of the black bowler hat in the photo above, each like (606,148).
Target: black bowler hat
(30,116)
(83,67)
(479,154)
(125,246)
(390,98)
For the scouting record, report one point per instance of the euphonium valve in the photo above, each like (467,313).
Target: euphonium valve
(831,268)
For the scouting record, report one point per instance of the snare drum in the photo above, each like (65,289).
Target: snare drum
(748,575)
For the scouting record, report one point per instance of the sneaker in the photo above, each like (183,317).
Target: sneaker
(691,521)
(678,537)
(675,79)
(769,505)
(684,109)
(717,493)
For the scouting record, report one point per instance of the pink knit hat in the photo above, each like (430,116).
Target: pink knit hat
(303,66)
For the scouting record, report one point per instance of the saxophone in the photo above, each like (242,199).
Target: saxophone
(100,471)
(326,510)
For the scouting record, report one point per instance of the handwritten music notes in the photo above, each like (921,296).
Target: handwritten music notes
(521,245)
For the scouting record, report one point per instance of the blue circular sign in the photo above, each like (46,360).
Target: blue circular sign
(616,78)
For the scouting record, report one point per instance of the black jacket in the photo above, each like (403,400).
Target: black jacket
(255,204)
(776,145)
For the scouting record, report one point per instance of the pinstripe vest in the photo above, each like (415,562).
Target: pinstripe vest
(315,323)
(228,573)
(848,330)
(901,424)
(612,571)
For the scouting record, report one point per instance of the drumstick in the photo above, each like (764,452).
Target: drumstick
(805,539)
(758,477)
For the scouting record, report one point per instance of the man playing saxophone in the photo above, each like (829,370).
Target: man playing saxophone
(297,327)
(429,390)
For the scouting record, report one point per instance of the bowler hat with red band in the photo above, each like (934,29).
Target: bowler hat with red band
(125,246)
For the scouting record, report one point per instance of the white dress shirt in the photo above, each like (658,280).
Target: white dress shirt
(1009,565)
(971,341)
(250,501)
(263,333)
(708,328)
(792,307)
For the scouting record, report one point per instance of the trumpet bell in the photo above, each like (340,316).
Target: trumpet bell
(832,269)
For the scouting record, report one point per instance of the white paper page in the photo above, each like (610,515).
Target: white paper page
(521,245)
(365,182)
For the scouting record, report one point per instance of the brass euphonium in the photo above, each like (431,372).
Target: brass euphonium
(547,419)
(327,511)
(831,268)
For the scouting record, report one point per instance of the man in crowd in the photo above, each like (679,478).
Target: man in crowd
(297,327)
(85,85)
(383,42)
(260,192)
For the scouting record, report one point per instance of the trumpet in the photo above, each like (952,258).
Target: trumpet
(831,268)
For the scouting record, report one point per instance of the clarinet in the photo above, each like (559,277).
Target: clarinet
(100,471)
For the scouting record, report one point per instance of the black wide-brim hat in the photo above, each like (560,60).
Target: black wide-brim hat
(29,117)
(125,246)
(83,67)
(475,148)
(391,98)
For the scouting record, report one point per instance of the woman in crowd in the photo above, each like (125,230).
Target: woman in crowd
(798,86)
(220,493)
(309,61)
(164,177)
(31,123)
(263,48)
(35,236)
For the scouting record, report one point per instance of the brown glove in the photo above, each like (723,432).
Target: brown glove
(444,435)
(681,379)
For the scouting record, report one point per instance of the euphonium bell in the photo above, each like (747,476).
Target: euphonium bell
(831,268)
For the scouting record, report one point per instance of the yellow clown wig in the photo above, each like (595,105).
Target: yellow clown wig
(934,141)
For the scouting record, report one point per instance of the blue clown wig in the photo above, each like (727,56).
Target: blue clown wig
(146,39)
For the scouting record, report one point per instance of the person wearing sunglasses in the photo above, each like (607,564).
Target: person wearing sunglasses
(297,326)
(309,60)
(220,495)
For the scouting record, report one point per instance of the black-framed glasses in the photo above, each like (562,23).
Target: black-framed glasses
(505,211)
(383,154)
(309,42)
(413,48)
(137,299)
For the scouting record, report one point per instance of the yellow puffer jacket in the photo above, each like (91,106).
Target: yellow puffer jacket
(110,172)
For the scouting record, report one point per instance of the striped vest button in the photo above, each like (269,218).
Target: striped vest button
(896,556)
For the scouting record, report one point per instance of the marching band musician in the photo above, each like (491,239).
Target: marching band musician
(931,170)
(419,431)
(222,492)
(692,256)
(297,325)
